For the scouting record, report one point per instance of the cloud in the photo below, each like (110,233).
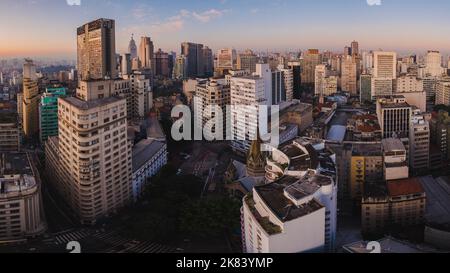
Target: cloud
(208,15)
(73,2)
(374,2)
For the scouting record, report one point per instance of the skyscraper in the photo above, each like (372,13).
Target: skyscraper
(226,60)
(296,76)
(355,48)
(30,103)
(97,50)
(384,74)
(194,54)
(161,64)
(433,64)
(132,48)
(247,61)
(310,60)
(349,76)
(146,51)
(90,159)
(207,62)
(180,68)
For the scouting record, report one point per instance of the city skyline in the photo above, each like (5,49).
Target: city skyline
(263,25)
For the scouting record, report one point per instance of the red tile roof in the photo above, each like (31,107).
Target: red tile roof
(404,187)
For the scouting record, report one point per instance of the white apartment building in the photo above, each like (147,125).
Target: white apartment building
(443,93)
(395,159)
(290,215)
(91,157)
(148,157)
(412,89)
(433,64)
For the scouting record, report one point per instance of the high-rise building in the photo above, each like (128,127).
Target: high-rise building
(355,48)
(419,143)
(161,64)
(10,129)
(30,103)
(90,159)
(349,76)
(146,51)
(97,50)
(22,214)
(288,76)
(433,64)
(247,61)
(194,55)
(443,93)
(296,76)
(126,65)
(310,60)
(211,98)
(394,116)
(48,112)
(319,75)
(208,62)
(365,88)
(226,60)
(132,48)
(385,65)
(180,70)
(394,159)
(412,89)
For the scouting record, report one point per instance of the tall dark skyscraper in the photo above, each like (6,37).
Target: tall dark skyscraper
(194,54)
(97,50)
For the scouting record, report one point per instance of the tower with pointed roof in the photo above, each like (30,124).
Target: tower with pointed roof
(132,48)
(255,160)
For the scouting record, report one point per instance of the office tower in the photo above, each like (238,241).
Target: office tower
(385,65)
(349,76)
(146,51)
(384,72)
(335,63)
(161,64)
(212,97)
(365,88)
(411,88)
(249,91)
(10,129)
(90,159)
(247,61)
(48,112)
(433,64)
(97,50)
(443,93)
(296,74)
(22,214)
(394,116)
(278,87)
(310,60)
(320,74)
(30,103)
(194,54)
(126,64)
(132,48)
(288,76)
(366,167)
(347,51)
(142,95)
(226,60)
(208,62)
(429,86)
(419,143)
(395,159)
(180,70)
(354,49)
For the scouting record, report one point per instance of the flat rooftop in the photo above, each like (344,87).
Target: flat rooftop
(392,144)
(86,105)
(144,151)
(15,163)
(16,174)
(368,149)
(154,129)
(405,187)
(283,207)
(299,159)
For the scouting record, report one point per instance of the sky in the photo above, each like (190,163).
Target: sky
(47,28)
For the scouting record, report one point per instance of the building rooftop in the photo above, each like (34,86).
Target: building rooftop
(144,151)
(392,145)
(301,159)
(16,174)
(274,197)
(405,187)
(154,129)
(368,149)
(86,105)
(337,133)
(388,245)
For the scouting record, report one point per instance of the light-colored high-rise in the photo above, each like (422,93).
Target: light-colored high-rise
(90,159)
(311,59)
(30,103)
(146,51)
(132,48)
(349,76)
(247,61)
(180,70)
(419,143)
(385,65)
(412,89)
(433,64)
(97,50)
(226,59)
(443,93)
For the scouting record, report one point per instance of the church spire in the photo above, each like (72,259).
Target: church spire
(255,160)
